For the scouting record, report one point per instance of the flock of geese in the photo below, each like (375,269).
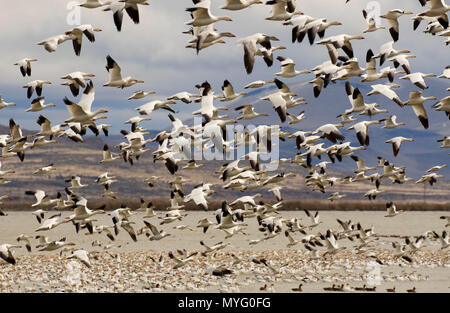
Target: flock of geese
(176,146)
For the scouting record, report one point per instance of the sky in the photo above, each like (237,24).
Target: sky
(154,51)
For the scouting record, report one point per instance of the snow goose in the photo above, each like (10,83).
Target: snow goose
(392,210)
(335,196)
(157,235)
(19,148)
(362,131)
(296,119)
(386,90)
(93,4)
(52,222)
(447,219)
(115,77)
(40,215)
(247,199)
(437,8)
(436,168)
(391,122)
(356,99)
(361,166)
(331,243)
(6,253)
(40,141)
(443,105)
(76,34)
(330,132)
(387,51)
(45,170)
(444,239)
(250,48)
(108,157)
(75,80)
(55,245)
(203,45)
(392,19)
(25,66)
(141,94)
(315,219)
(201,14)
(35,85)
(130,6)
(182,262)
(287,68)
(396,143)
(149,107)
(445,73)
(81,255)
(418,79)
(371,71)
(198,196)
(81,111)
(372,110)
(371,23)
(258,84)
(228,92)
(50,44)
(184,96)
(41,198)
(235,5)
(4,104)
(341,41)
(75,183)
(248,112)
(282,10)
(402,60)
(317,27)
(416,100)
(372,194)
(38,105)
(445,142)
(430,178)
(279,104)
(126,225)
(26,239)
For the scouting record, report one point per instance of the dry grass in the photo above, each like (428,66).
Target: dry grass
(289,205)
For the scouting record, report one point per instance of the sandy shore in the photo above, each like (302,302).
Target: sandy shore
(144,266)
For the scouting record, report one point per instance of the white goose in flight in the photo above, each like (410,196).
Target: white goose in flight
(228,92)
(391,122)
(371,23)
(81,111)
(141,94)
(287,68)
(235,5)
(130,6)
(397,142)
(251,50)
(386,90)
(4,104)
(392,210)
(115,77)
(25,66)
(248,112)
(416,100)
(93,4)
(282,10)
(418,79)
(6,253)
(362,131)
(182,262)
(445,142)
(35,85)
(38,105)
(41,198)
(108,157)
(392,19)
(76,34)
(75,80)
(50,44)
(157,235)
(201,14)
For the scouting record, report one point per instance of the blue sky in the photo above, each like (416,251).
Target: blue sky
(154,52)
